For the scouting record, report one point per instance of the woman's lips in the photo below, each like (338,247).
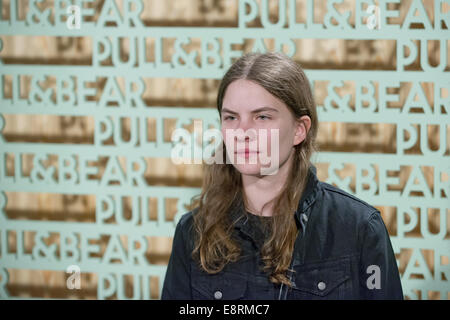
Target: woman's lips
(246,153)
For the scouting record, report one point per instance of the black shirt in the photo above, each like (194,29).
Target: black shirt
(261,226)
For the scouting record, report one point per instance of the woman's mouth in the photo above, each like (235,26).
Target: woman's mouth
(246,153)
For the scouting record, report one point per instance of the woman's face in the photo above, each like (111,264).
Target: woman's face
(247,105)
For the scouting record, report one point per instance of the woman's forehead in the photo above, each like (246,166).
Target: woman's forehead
(247,96)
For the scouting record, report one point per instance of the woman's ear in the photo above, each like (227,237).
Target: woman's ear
(302,127)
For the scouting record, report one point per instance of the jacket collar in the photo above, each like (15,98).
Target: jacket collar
(238,212)
(309,194)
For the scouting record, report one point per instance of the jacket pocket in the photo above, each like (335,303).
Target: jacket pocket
(221,286)
(326,279)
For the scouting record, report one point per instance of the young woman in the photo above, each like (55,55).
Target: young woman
(282,234)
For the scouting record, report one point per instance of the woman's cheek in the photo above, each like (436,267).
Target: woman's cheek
(224,137)
(273,140)
(282,142)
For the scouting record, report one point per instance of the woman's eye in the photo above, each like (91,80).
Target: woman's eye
(264,117)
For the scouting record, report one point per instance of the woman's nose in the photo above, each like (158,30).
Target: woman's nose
(248,130)
(246,124)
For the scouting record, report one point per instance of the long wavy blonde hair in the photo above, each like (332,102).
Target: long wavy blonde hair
(222,184)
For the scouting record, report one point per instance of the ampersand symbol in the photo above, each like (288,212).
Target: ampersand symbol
(39,172)
(342,102)
(342,19)
(48,252)
(34,12)
(189,58)
(37,92)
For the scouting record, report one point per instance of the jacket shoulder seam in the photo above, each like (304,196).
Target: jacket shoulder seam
(373,214)
(332,188)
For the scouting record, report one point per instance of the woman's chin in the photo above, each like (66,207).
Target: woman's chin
(249,169)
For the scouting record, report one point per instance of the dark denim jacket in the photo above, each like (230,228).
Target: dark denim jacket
(342,251)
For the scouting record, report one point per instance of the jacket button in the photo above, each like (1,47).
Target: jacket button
(217,295)
(321,285)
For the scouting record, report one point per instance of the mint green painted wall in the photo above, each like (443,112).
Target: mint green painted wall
(372,169)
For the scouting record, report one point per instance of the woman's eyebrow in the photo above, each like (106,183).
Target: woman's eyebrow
(253,111)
